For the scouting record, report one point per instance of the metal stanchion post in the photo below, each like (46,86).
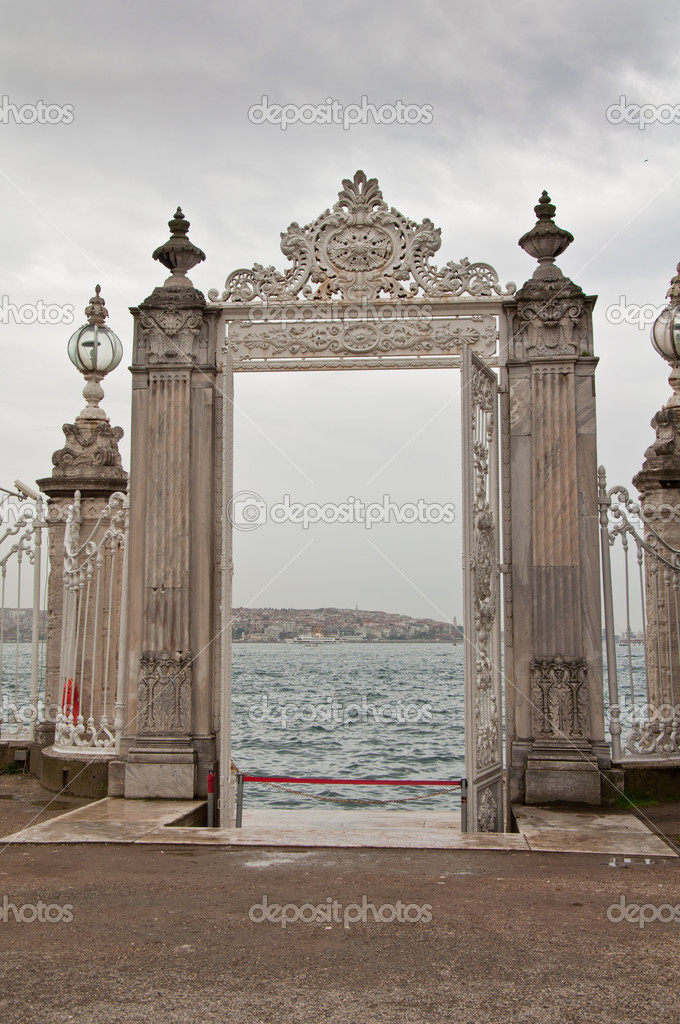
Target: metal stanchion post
(239,799)
(463,805)
(211,799)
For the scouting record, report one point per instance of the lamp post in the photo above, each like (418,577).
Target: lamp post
(666,337)
(94,350)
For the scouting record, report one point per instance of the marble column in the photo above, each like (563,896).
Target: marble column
(553,644)
(169,745)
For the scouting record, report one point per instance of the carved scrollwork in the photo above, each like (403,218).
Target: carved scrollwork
(559,697)
(89,443)
(483,563)
(249,341)
(361,250)
(164,706)
(487,812)
(169,335)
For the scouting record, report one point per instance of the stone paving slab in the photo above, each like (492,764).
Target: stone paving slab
(155,822)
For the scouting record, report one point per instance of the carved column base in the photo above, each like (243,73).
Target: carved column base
(161,769)
(562,773)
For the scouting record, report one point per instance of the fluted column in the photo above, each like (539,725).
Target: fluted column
(555,717)
(170,745)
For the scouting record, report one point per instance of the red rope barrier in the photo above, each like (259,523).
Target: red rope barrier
(351,782)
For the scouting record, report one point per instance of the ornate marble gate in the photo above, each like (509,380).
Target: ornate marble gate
(362,294)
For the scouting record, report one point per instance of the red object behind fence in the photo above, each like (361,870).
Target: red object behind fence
(70,702)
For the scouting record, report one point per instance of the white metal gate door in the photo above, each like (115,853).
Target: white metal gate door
(481,587)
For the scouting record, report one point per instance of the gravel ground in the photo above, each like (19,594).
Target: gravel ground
(164,935)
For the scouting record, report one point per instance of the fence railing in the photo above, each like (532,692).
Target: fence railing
(643,659)
(22,521)
(92,681)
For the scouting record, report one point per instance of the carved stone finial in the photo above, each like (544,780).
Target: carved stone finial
(673,292)
(546,241)
(178,254)
(96,312)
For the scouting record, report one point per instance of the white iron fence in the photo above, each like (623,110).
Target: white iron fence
(92,681)
(22,521)
(641,587)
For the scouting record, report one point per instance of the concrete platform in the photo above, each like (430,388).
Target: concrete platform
(156,822)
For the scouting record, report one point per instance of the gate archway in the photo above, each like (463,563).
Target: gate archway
(362,294)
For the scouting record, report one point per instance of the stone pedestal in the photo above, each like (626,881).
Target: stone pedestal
(90,463)
(553,644)
(175,516)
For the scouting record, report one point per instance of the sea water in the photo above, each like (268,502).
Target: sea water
(362,710)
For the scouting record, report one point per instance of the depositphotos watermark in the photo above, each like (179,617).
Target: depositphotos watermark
(13,512)
(35,913)
(333,712)
(334,112)
(333,912)
(633,913)
(14,713)
(35,312)
(623,312)
(247,510)
(35,113)
(353,312)
(642,114)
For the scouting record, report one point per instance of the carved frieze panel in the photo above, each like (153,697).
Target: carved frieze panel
(559,697)
(164,703)
(350,339)
(361,250)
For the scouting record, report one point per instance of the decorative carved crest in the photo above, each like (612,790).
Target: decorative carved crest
(559,695)
(90,445)
(168,335)
(361,251)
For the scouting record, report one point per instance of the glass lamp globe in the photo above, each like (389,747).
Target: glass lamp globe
(665,334)
(94,348)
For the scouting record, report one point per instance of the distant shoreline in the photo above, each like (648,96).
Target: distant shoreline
(356,643)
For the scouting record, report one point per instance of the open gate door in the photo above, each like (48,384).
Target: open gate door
(481,589)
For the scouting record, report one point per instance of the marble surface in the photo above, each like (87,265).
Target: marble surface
(155,822)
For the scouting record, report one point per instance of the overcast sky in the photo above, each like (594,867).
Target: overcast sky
(160,94)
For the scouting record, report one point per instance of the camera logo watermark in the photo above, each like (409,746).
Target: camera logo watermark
(333,912)
(32,913)
(35,312)
(356,312)
(35,113)
(633,913)
(247,511)
(333,712)
(642,115)
(334,112)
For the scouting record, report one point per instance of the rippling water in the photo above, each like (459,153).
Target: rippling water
(374,710)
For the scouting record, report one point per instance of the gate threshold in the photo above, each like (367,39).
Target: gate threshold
(157,823)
